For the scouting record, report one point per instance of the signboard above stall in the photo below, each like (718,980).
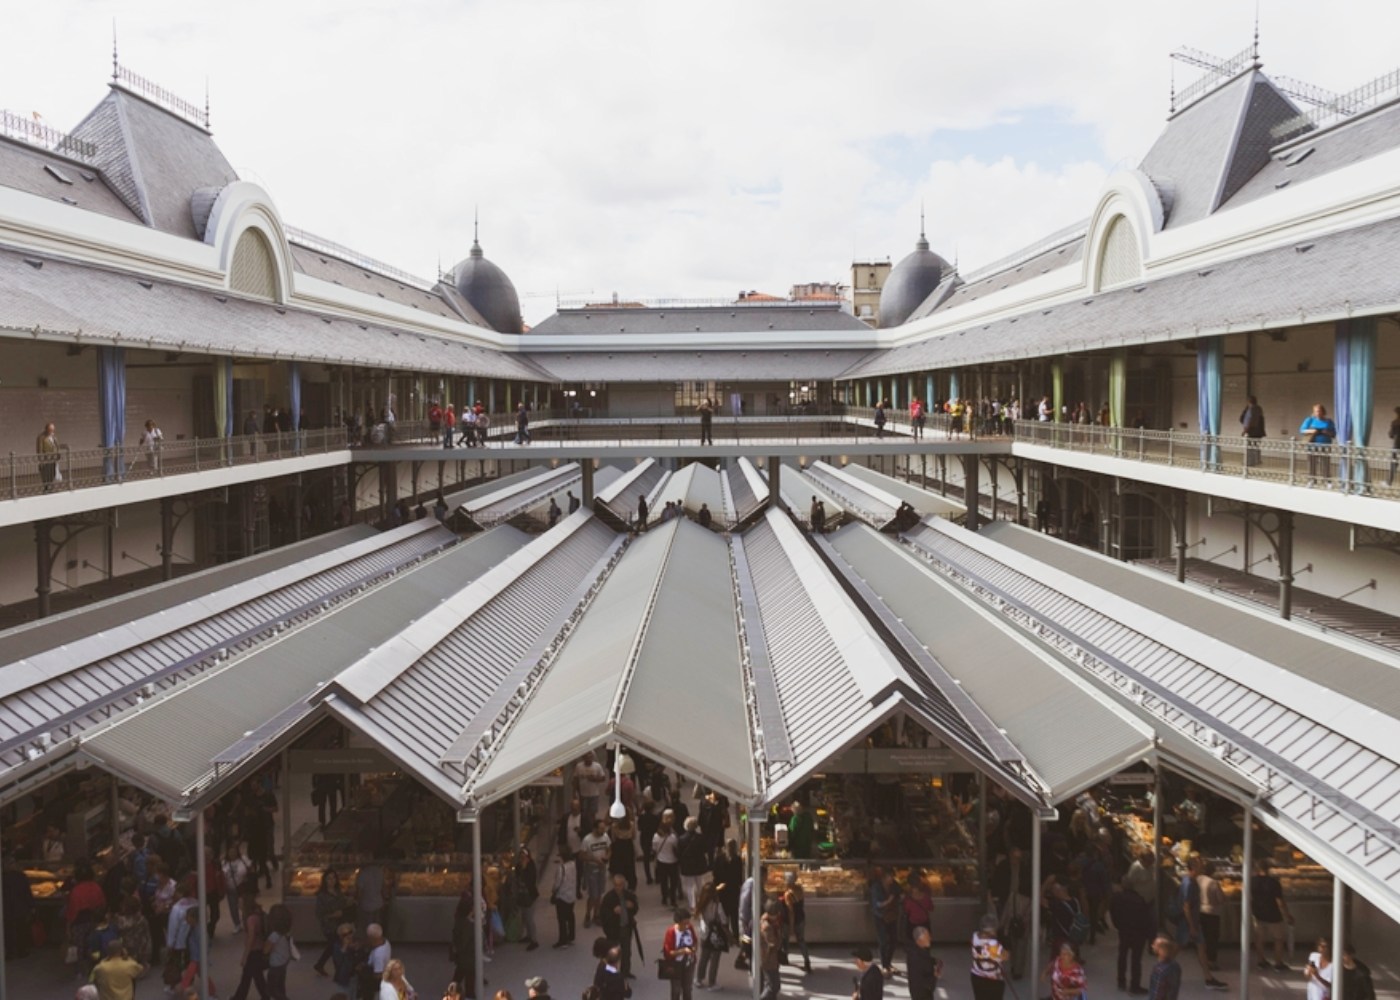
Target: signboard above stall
(341,760)
(896,760)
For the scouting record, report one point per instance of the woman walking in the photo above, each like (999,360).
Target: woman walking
(331,905)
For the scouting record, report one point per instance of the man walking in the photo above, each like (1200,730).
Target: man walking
(1188,927)
(923,967)
(617,915)
(1132,918)
(1252,427)
(871,984)
(706,410)
(1271,916)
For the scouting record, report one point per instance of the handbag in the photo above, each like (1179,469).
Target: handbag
(669,968)
(718,938)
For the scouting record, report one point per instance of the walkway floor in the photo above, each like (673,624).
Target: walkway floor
(44,977)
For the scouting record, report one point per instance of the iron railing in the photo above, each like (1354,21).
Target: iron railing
(28,475)
(1349,469)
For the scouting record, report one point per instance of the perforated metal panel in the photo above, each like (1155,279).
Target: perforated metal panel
(1121,261)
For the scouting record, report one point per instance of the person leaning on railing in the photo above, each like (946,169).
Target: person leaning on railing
(46,445)
(1252,427)
(1320,432)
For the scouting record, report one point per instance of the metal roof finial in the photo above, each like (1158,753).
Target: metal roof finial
(923,239)
(476,231)
(206,104)
(1256,34)
(1171,106)
(114,50)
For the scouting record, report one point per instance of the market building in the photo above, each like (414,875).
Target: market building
(1043,604)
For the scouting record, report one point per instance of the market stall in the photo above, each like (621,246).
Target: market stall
(386,818)
(892,807)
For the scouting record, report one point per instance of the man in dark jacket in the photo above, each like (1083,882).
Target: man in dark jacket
(1135,924)
(923,968)
(870,985)
(694,861)
(617,915)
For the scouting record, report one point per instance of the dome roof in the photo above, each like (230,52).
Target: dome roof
(911,281)
(489,291)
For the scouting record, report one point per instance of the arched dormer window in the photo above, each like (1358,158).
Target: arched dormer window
(1120,261)
(253,270)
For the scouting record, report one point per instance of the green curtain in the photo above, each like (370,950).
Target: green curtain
(223,396)
(1117,387)
(1057,389)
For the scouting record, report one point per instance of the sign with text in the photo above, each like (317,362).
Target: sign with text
(894,760)
(341,760)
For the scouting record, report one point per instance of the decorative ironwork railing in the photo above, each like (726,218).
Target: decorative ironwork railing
(36,133)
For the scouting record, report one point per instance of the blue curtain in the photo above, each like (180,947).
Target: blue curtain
(1341,394)
(294,392)
(952,385)
(1210,364)
(928,391)
(111,401)
(1353,388)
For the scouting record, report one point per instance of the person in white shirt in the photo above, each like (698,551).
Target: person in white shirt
(593,855)
(380,950)
(591,781)
(151,439)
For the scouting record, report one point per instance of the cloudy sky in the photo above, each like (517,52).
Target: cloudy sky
(669,149)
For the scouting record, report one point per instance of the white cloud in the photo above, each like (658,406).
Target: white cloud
(658,148)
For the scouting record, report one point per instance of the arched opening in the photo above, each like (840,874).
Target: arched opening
(254,267)
(1120,261)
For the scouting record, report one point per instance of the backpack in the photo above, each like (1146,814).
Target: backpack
(1079,927)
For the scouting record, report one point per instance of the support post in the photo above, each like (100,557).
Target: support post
(1339,930)
(586,487)
(298,501)
(286,808)
(515,819)
(2,938)
(923,471)
(994,464)
(1179,516)
(1034,968)
(943,474)
(756,872)
(202,882)
(982,840)
(43,557)
(114,805)
(479,932)
(1246,887)
(1157,838)
(775,469)
(167,538)
(971,490)
(1285,575)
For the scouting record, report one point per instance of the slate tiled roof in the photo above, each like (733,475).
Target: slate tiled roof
(698,319)
(71,300)
(355,278)
(1312,156)
(668,366)
(22,167)
(154,159)
(1348,270)
(1211,148)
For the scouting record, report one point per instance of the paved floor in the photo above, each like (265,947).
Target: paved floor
(44,977)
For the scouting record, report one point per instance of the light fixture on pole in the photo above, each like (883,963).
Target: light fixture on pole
(618,810)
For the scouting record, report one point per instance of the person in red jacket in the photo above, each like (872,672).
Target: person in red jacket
(449,422)
(681,945)
(86,903)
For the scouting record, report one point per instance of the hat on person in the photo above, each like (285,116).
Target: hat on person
(537,983)
(989,924)
(864,954)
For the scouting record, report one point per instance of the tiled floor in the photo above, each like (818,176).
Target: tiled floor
(43,977)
